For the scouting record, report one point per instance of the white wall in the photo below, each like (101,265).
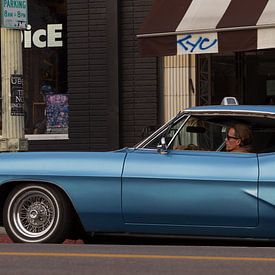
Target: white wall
(178,94)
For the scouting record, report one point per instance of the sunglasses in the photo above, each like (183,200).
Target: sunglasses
(231,137)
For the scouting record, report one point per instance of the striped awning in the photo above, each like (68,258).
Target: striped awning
(207,26)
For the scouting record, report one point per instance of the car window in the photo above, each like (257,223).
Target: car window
(263,140)
(208,132)
(191,134)
(168,132)
(197,134)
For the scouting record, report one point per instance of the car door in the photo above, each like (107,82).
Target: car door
(190,188)
(194,183)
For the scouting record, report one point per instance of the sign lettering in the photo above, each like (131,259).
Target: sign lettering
(14,14)
(197,43)
(43,38)
(17,95)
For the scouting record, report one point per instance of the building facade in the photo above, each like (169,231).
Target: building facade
(81,59)
(87,87)
(249,76)
(234,51)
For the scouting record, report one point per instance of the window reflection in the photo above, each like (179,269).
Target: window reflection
(45,68)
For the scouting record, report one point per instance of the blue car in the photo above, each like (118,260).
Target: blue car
(182,180)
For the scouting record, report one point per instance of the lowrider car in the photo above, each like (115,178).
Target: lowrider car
(178,181)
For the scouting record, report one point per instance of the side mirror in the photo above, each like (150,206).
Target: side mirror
(162,147)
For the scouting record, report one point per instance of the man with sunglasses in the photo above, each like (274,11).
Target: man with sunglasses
(238,139)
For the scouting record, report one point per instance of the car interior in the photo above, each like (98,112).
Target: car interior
(207,133)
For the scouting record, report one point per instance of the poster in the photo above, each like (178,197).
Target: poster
(17,95)
(57,114)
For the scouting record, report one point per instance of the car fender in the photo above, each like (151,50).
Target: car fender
(92,181)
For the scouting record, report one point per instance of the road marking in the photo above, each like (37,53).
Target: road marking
(136,256)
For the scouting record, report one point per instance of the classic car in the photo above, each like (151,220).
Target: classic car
(178,181)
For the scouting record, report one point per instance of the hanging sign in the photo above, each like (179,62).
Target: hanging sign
(17,95)
(14,14)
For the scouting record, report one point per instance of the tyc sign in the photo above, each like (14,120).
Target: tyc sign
(14,14)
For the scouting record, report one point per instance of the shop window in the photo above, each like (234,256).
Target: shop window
(226,77)
(260,77)
(45,69)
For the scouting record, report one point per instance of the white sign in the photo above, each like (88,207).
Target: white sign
(14,14)
(43,38)
(197,43)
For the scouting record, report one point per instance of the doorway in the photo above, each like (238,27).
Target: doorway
(248,76)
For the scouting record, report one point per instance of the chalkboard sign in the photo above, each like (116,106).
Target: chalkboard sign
(17,95)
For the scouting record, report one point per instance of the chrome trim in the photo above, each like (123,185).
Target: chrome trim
(230,112)
(159,131)
(19,220)
(175,135)
(155,134)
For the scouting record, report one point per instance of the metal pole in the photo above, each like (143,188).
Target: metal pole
(13,127)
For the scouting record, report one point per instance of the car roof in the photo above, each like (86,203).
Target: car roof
(250,109)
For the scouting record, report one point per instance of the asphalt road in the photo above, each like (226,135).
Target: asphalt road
(139,256)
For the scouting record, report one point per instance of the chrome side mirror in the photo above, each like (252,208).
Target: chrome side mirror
(162,147)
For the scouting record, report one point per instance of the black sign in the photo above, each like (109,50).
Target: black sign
(17,95)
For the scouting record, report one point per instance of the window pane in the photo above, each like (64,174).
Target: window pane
(45,68)
(197,134)
(168,133)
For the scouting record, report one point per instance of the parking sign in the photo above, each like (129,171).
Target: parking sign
(14,14)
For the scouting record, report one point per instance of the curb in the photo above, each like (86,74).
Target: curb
(3,236)
(5,239)
(2,231)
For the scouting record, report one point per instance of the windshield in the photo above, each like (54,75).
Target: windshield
(160,131)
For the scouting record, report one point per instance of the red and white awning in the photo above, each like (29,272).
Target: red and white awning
(207,26)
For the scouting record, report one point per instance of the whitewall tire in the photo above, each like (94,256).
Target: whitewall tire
(36,213)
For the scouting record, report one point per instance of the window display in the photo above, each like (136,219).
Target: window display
(45,68)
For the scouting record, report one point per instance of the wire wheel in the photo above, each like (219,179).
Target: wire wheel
(35,213)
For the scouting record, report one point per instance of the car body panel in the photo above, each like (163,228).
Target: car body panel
(91,180)
(179,189)
(267,191)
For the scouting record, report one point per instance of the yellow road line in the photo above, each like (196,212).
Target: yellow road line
(136,256)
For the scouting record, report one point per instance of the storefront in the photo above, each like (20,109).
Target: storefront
(44,103)
(249,76)
(234,50)
(86,88)
(45,70)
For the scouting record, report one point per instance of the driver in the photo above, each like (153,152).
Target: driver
(239,138)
